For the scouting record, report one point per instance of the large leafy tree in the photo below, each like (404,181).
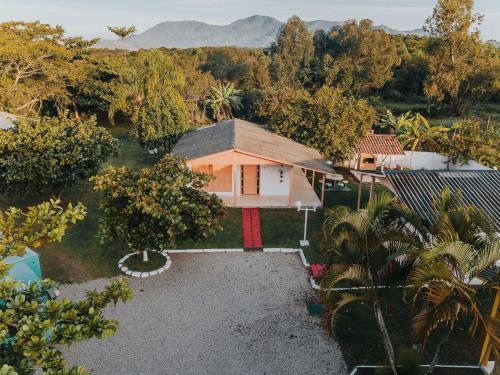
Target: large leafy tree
(145,75)
(40,67)
(460,67)
(328,120)
(292,54)
(32,328)
(159,207)
(160,122)
(223,99)
(356,56)
(51,153)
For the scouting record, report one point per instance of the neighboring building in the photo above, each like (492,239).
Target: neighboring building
(374,151)
(7,121)
(254,167)
(418,189)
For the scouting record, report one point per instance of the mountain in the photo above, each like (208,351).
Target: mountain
(254,31)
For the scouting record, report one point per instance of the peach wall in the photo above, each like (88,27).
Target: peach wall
(229,157)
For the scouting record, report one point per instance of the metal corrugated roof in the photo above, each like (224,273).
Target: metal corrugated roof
(247,137)
(417,189)
(385,144)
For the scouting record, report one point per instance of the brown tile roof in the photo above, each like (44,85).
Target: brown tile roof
(386,144)
(246,137)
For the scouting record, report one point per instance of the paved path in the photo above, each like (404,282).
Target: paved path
(215,314)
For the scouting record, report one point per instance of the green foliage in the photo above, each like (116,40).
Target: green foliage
(328,120)
(51,153)
(31,326)
(292,54)
(122,31)
(148,74)
(471,139)
(224,98)
(414,131)
(158,207)
(160,122)
(40,67)
(461,69)
(355,56)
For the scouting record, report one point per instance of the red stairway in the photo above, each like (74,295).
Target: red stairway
(251,229)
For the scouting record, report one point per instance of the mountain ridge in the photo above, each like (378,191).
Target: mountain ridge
(253,31)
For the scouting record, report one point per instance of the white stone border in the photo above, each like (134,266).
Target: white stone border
(126,271)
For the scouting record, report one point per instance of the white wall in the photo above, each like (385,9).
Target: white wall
(270,180)
(420,160)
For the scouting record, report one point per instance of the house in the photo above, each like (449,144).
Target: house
(372,152)
(418,189)
(254,167)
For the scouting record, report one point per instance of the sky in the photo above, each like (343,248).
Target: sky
(89,18)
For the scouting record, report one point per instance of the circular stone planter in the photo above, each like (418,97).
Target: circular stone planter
(127,271)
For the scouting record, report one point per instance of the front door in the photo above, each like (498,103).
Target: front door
(249,179)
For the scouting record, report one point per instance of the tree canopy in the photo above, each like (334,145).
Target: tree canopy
(160,122)
(292,54)
(51,153)
(328,120)
(157,208)
(40,67)
(32,327)
(122,31)
(355,56)
(459,65)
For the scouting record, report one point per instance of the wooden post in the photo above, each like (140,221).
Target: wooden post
(372,185)
(359,190)
(314,176)
(291,190)
(486,350)
(323,190)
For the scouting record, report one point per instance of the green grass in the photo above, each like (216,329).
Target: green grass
(155,261)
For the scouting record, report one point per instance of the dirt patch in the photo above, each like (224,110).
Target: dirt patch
(63,266)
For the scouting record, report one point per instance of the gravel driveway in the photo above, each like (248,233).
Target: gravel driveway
(214,314)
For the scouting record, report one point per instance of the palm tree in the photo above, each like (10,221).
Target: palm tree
(367,249)
(413,132)
(440,281)
(223,99)
(457,248)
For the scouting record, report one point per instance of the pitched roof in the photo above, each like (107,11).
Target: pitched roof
(246,137)
(386,144)
(7,120)
(417,189)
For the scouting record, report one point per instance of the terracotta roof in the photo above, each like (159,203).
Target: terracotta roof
(417,189)
(244,136)
(385,144)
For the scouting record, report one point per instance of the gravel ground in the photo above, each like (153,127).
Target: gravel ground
(214,314)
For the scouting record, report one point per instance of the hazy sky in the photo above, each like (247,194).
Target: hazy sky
(89,18)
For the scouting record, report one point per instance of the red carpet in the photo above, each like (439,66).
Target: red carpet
(251,229)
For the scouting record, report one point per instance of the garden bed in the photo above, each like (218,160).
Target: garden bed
(135,262)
